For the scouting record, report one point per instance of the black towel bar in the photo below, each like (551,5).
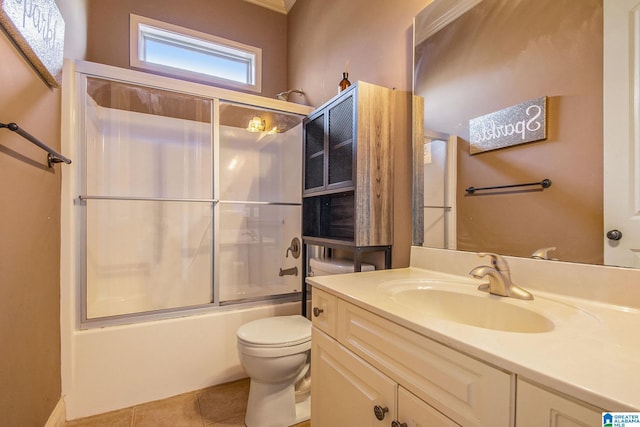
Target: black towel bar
(545,183)
(53,157)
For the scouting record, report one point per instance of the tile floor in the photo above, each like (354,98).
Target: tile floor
(219,406)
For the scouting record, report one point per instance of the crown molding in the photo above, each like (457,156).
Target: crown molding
(437,15)
(281,6)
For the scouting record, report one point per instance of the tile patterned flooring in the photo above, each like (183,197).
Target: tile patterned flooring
(219,406)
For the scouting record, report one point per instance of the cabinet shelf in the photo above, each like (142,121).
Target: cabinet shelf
(342,144)
(314,155)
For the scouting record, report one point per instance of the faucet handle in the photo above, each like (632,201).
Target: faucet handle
(497,261)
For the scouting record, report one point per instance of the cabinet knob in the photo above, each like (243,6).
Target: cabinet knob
(380,412)
(317,311)
(398,424)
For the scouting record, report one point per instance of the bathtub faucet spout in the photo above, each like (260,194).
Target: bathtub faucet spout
(293,271)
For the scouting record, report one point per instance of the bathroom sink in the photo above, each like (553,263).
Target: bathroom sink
(463,303)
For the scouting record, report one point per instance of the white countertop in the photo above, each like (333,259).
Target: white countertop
(592,353)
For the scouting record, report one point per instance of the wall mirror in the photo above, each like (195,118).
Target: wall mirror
(476,57)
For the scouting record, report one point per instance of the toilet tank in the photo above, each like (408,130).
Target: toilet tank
(326,266)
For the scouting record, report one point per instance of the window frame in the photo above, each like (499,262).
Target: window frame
(142,28)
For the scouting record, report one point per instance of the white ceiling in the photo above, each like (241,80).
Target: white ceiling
(282,6)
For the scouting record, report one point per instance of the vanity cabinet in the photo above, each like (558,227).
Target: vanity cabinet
(417,380)
(361,361)
(539,407)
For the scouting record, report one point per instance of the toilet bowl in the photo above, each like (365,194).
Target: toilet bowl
(275,354)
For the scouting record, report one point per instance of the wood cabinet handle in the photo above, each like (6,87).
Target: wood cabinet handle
(398,424)
(317,311)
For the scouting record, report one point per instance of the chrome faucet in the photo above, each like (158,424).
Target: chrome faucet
(543,253)
(499,278)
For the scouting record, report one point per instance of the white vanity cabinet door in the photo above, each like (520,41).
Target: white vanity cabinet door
(415,413)
(345,388)
(323,311)
(464,389)
(537,407)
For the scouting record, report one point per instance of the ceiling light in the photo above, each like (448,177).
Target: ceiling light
(256,124)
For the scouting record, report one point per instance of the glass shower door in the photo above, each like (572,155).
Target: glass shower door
(148,199)
(260,203)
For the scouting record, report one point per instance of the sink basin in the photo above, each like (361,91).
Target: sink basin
(463,303)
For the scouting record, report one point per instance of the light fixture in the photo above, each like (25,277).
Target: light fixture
(256,124)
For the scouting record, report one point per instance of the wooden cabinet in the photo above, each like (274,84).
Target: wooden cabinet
(361,361)
(414,412)
(467,391)
(346,389)
(324,311)
(348,170)
(330,148)
(431,385)
(539,407)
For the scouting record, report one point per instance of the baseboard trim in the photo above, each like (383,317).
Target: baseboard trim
(58,417)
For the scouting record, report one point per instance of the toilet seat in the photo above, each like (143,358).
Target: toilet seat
(275,336)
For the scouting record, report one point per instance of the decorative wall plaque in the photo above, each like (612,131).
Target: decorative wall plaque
(526,122)
(37,28)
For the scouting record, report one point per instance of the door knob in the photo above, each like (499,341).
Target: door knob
(614,234)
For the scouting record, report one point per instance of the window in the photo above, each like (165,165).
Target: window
(185,53)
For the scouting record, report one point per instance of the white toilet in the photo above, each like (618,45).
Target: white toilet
(275,353)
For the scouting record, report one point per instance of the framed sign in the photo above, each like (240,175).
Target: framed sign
(525,122)
(37,28)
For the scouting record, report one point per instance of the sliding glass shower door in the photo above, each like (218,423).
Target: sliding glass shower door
(260,202)
(182,206)
(148,163)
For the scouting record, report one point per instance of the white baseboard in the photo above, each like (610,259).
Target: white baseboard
(58,417)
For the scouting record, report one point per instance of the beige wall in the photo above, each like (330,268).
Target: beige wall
(502,53)
(29,246)
(108,30)
(376,38)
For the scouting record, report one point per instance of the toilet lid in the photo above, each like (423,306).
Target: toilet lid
(276,331)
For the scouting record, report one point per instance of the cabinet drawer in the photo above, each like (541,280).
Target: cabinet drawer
(538,407)
(464,389)
(323,311)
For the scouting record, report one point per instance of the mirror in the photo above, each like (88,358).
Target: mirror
(490,55)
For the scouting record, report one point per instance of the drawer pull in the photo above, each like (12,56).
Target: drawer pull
(380,412)
(398,424)
(317,311)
